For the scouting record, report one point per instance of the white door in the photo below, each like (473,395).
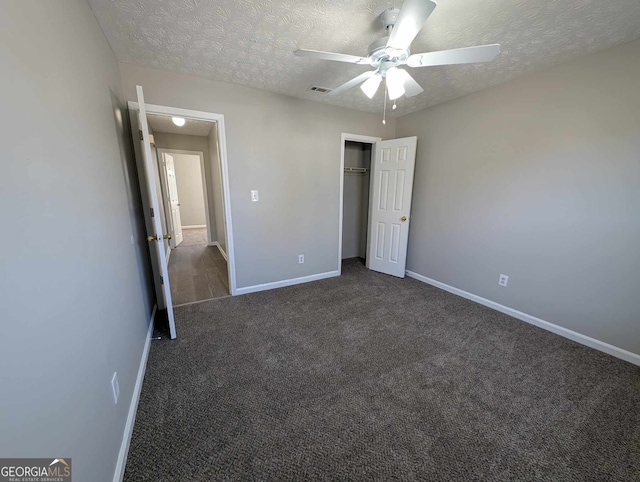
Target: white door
(152,213)
(174,202)
(390,205)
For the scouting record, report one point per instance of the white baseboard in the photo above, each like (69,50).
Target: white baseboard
(224,255)
(133,407)
(286,282)
(194,226)
(545,325)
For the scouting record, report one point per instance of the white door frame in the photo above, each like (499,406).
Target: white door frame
(205,183)
(354,138)
(224,167)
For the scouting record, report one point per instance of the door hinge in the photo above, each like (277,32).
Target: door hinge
(153,215)
(141,137)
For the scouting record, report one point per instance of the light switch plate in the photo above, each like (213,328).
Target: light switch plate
(254,196)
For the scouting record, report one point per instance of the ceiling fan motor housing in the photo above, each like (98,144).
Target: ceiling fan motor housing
(379,54)
(389,17)
(382,56)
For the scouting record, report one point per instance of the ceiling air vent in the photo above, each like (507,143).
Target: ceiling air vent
(319,90)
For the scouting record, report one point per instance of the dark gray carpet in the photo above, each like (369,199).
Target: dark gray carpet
(369,377)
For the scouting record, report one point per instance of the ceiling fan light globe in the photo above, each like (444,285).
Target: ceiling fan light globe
(395,83)
(370,86)
(396,93)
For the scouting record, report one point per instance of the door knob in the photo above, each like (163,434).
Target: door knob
(152,238)
(403,218)
(167,236)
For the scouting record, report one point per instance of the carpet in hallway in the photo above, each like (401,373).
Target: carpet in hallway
(194,237)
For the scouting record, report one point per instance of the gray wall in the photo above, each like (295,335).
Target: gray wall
(538,179)
(134,202)
(189,143)
(190,189)
(356,201)
(289,150)
(216,188)
(73,289)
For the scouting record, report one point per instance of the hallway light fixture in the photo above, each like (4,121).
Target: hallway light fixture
(179,121)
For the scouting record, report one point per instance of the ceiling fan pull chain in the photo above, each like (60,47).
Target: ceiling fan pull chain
(384,109)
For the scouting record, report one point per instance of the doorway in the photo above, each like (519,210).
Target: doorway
(197,262)
(375,207)
(191,196)
(355,187)
(156,210)
(355,208)
(185,184)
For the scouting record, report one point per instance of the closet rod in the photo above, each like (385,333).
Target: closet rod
(356,170)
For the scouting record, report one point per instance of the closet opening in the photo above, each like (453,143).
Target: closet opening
(376,180)
(355,199)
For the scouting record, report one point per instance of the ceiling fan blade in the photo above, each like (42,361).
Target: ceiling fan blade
(467,55)
(412,16)
(317,54)
(411,87)
(352,83)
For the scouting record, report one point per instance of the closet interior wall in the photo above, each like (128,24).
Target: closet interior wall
(357,155)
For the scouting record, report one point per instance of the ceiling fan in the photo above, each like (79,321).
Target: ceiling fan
(387,54)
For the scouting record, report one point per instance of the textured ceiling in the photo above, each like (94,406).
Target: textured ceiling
(192,127)
(252,42)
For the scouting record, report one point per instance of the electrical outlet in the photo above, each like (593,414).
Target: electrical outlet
(115,387)
(503,280)
(255,197)
(301,258)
